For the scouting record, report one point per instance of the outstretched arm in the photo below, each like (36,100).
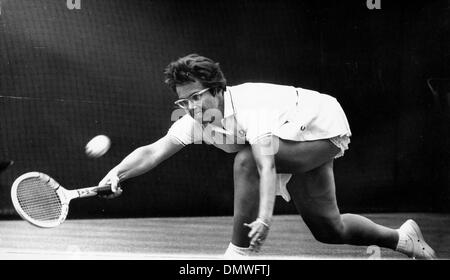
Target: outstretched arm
(140,161)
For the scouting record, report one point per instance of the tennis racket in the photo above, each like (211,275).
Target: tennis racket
(43,202)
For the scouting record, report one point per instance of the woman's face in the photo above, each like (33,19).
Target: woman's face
(199,104)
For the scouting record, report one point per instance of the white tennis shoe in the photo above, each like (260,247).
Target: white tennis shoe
(412,243)
(234,252)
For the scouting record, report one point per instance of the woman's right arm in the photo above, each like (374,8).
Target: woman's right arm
(140,161)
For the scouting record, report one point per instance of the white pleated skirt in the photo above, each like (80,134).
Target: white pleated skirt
(317,116)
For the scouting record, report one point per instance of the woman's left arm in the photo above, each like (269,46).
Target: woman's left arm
(264,154)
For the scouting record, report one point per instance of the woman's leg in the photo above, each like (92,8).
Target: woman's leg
(315,198)
(246,196)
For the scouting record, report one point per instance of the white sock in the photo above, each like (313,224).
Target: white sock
(234,251)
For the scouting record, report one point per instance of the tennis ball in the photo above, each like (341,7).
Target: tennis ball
(98,146)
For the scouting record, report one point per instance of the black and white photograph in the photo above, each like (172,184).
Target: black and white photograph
(224,130)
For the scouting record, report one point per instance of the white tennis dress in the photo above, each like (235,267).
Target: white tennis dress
(255,110)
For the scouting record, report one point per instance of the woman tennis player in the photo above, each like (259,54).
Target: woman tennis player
(276,131)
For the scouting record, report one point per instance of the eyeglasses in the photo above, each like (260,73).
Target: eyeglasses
(184,102)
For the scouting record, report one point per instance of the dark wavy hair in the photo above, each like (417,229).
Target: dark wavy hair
(194,67)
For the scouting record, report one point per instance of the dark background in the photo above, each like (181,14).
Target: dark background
(68,75)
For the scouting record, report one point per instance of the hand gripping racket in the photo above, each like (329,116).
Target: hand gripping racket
(43,202)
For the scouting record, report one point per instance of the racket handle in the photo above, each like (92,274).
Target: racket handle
(93,191)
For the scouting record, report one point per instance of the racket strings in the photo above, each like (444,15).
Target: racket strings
(39,200)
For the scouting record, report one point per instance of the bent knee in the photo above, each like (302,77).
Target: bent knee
(329,233)
(244,161)
(329,237)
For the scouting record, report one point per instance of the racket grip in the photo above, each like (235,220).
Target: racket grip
(103,190)
(93,191)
